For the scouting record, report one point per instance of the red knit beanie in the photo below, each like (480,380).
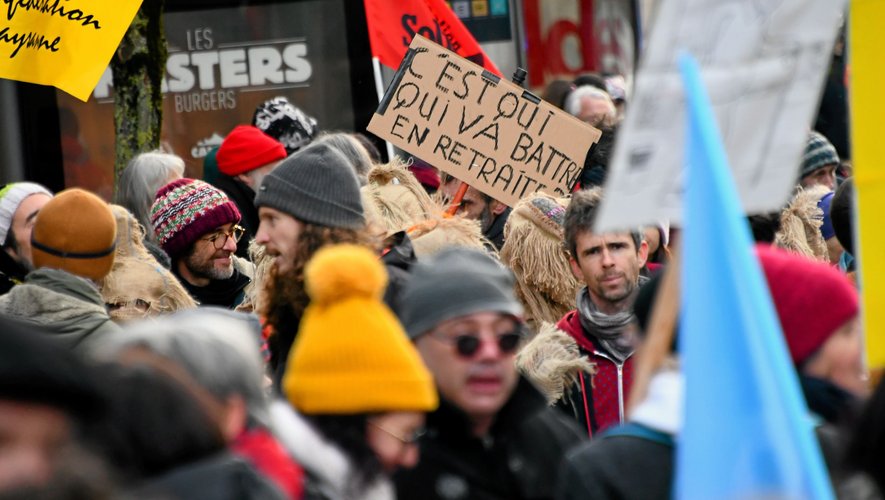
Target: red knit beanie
(812,299)
(246,148)
(186,209)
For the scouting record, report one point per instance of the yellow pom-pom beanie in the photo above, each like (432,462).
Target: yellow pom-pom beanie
(351,354)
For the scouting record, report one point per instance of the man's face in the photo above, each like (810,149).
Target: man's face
(206,262)
(824,176)
(23,223)
(609,265)
(474,206)
(31,438)
(279,233)
(478,384)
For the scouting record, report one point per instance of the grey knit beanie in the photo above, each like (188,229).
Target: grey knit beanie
(819,152)
(453,283)
(315,185)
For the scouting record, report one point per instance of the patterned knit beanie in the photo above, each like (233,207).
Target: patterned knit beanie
(286,123)
(246,148)
(186,209)
(75,232)
(818,154)
(351,355)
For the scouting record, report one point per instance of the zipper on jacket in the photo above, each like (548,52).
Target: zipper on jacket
(620,367)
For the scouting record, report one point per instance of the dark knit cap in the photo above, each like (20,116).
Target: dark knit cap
(35,370)
(286,123)
(186,209)
(317,186)
(819,153)
(454,283)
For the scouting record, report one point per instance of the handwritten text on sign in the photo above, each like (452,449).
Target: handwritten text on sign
(485,131)
(64,43)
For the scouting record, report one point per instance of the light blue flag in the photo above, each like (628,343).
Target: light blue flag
(747,432)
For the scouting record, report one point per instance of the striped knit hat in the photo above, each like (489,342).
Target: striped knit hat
(186,209)
(818,154)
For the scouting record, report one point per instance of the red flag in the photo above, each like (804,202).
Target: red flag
(393,24)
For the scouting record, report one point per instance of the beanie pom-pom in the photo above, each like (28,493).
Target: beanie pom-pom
(339,272)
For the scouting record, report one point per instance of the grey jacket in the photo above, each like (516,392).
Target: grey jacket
(68,306)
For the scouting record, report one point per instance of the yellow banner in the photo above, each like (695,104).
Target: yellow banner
(63,43)
(867,74)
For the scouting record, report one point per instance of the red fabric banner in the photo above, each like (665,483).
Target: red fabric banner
(393,24)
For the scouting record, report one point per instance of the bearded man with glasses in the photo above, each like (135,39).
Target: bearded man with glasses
(198,226)
(493,435)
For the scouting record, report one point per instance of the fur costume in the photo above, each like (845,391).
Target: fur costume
(533,249)
(138,286)
(395,200)
(800,225)
(551,360)
(432,235)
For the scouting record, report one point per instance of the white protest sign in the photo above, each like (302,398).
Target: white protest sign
(763,64)
(488,132)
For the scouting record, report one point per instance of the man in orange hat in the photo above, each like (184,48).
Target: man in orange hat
(72,247)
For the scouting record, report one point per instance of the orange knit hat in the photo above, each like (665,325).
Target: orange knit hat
(352,355)
(75,232)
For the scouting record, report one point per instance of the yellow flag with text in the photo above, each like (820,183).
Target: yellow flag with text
(867,73)
(64,43)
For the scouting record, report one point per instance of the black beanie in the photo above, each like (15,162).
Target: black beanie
(315,185)
(35,370)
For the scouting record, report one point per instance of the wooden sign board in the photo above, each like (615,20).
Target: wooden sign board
(485,131)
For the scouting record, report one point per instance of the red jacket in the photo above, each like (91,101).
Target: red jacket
(603,403)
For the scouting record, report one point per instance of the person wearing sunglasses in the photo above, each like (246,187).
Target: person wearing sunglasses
(199,227)
(493,435)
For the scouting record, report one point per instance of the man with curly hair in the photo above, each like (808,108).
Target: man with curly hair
(310,200)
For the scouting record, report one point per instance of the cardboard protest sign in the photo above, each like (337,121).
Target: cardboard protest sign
(487,132)
(66,44)
(763,64)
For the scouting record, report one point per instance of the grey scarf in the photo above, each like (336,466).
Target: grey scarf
(607,328)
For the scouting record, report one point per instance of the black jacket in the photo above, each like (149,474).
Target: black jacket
(223,293)
(622,467)
(244,197)
(11,272)
(519,459)
(223,476)
(495,232)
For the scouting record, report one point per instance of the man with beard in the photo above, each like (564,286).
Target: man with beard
(198,226)
(19,204)
(609,265)
(491,213)
(494,435)
(312,199)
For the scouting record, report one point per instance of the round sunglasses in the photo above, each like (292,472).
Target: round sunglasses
(468,345)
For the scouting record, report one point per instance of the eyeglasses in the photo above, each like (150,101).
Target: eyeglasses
(219,238)
(468,345)
(405,440)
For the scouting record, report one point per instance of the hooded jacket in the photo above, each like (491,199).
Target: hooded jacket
(597,402)
(11,272)
(68,306)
